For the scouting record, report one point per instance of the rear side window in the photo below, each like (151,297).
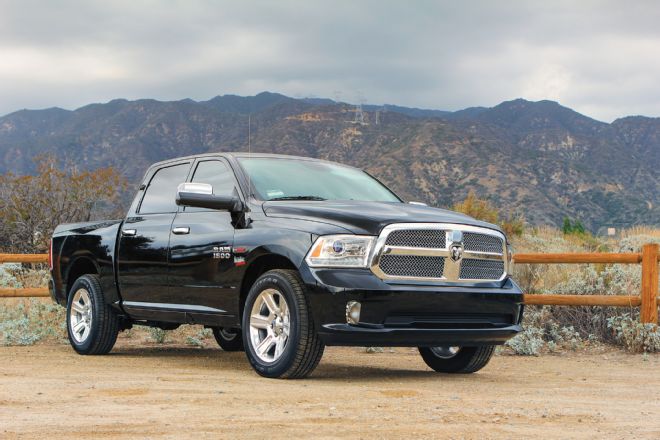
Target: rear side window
(216,174)
(161,192)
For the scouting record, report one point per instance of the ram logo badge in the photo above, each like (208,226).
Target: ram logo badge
(456,252)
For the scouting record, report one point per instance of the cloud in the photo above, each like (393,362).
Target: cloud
(597,57)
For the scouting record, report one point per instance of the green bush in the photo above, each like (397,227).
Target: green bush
(30,321)
(540,331)
(158,335)
(194,341)
(633,335)
(528,342)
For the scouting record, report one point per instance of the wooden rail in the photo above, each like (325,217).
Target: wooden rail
(631,258)
(28,292)
(32,292)
(23,258)
(647,300)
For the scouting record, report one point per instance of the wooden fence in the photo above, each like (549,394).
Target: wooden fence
(647,299)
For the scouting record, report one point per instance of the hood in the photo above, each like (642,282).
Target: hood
(367,217)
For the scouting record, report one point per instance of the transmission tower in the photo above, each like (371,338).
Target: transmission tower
(380,111)
(359,114)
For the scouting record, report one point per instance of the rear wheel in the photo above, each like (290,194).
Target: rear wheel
(452,359)
(278,332)
(91,323)
(229,339)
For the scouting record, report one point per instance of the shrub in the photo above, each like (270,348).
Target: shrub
(484,210)
(27,322)
(478,208)
(572,227)
(528,342)
(194,341)
(633,335)
(158,335)
(540,331)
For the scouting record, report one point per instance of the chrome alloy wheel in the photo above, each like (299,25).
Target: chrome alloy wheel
(445,352)
(80,316)
(269,325)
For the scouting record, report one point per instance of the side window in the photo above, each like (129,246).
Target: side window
(217,174)
(161,192)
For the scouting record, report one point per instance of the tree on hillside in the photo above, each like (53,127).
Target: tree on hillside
(31,206)
(573,227)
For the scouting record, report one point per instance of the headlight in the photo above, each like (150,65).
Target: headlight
(340,251)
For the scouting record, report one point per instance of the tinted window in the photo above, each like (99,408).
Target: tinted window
(293,178)
(161,192)
(216,174)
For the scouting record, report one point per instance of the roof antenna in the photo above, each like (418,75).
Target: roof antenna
(249,155)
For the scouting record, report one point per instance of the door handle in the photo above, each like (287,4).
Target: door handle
(181,230)
(128,232)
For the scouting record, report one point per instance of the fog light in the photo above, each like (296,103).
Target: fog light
(353,312)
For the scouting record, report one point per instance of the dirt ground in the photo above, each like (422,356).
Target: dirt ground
(154,391)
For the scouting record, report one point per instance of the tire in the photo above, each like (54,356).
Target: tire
(87,310)
(228,339)
(302,350)
(465,360)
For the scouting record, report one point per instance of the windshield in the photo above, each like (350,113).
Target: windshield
(292,179)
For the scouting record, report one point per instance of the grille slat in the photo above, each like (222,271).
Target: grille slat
(422,238)
(481,242)
(412,266)
(420,265)
(474,269)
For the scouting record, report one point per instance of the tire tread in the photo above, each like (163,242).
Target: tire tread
(468,360)
(107,319)
(309,349)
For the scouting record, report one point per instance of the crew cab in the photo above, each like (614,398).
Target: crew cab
(282,256)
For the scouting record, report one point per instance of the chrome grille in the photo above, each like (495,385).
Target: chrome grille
(421,238)
(440,252)
(412,266)
(481,242)
(474,269)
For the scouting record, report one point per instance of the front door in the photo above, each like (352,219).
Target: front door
(201,254)
(142,256)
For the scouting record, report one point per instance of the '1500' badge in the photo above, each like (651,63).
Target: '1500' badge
(221,252)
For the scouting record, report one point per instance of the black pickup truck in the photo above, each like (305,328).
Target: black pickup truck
(282,256)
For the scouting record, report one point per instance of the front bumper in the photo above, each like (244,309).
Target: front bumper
(411,315)
(361,336)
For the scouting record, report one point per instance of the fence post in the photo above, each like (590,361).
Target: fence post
(649,310)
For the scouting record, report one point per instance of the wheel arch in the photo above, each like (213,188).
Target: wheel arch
(259,266)
(82,265)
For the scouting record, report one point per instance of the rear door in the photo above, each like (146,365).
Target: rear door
(142,255)
(201,254)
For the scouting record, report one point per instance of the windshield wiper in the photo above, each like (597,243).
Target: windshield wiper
(298,198)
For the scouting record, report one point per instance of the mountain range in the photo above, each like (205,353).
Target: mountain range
(540,159)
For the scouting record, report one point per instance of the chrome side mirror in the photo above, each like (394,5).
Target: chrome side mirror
(195,188)
(200,195)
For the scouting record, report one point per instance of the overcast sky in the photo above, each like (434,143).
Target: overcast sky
(599,58)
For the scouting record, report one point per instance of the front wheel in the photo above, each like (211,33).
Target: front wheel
(451,359)
(278,331)
(228,339)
